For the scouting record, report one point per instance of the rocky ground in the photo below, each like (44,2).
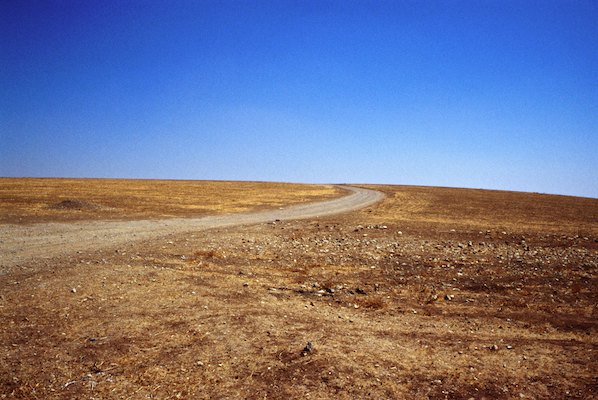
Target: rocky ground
(375,304)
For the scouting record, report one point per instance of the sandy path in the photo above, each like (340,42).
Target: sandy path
(19,244)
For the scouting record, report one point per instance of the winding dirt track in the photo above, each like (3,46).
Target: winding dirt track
(19,244)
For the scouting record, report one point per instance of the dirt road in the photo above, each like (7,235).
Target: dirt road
(19,244)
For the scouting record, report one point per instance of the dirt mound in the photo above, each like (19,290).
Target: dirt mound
(74,205)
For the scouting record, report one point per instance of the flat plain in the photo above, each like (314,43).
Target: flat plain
(431,293)
(63,200)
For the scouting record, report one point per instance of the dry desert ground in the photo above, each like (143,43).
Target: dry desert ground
(430,292)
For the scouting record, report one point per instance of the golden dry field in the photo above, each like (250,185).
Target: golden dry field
(433,293)
(48,199)
(486,209)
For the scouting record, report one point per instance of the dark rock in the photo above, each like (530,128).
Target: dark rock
(309,347)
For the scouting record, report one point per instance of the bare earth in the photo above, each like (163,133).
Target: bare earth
(429,293)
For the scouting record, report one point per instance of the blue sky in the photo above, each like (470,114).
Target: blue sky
(484,94)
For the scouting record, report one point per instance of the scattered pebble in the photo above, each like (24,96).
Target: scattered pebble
(309,347)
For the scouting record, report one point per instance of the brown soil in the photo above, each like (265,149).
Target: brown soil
(73,205)
(433,293)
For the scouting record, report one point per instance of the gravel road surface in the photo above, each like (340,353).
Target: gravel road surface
(20,244)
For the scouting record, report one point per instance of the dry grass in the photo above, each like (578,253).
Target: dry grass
(29,200)
(485,209)
(395,306)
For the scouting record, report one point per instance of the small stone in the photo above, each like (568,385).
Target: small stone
(74,290)
(245,284)
(199,364)
(309,347)
(494,347)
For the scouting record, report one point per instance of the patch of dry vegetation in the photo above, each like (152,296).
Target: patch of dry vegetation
(446,304)
(27,200)
(484,209)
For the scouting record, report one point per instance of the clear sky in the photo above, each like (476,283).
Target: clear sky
(485,94)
